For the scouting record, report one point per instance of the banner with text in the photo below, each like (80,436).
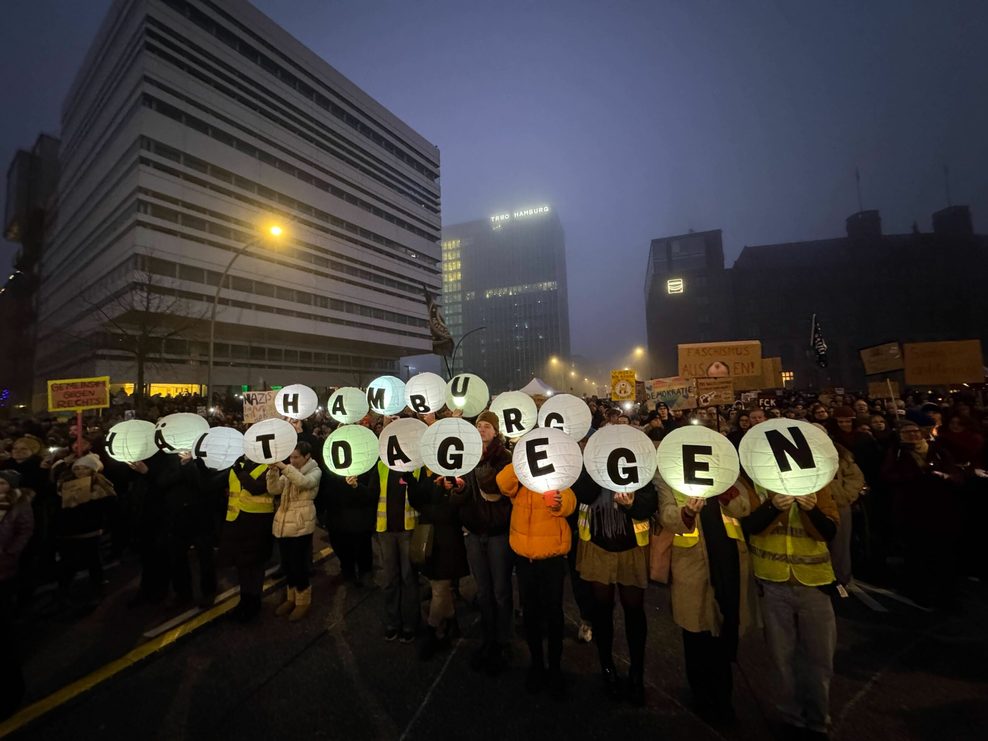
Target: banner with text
(675,392)
(714,391)
(78,394)
(259,406)
(943,363)
(881,358)
(721,359)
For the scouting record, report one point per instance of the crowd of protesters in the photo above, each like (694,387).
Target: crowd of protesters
(65,505)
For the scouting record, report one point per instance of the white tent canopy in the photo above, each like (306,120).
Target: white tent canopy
(538,387)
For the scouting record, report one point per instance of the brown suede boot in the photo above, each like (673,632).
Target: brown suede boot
(288,605)
(303,601)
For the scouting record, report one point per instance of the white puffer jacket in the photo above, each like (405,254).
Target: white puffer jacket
(296,514)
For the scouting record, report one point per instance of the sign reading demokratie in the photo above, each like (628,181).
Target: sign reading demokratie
(675,392)
(622,385)
(721,359)
(78,394)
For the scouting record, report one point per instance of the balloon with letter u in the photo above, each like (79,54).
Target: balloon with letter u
(468,393)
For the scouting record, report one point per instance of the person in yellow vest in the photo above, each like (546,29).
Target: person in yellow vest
(246,539)
(395,521)
(711,588)
(788,539)
(613,535)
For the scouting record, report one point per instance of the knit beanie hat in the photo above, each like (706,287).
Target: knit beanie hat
(491,419)
(33,443)
(90,461)
(843,412)
(11,477)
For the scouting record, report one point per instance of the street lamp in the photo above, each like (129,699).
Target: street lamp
(274,231)
(452,359)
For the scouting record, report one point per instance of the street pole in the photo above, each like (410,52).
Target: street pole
(452,359)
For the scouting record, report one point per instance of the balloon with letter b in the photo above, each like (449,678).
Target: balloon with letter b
(425,392)
(620,458)
(788,456)
(698,462)
(547,459)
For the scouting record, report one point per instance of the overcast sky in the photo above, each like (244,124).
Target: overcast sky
(632,119)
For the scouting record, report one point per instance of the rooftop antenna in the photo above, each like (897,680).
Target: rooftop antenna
(857,180)
(946,183)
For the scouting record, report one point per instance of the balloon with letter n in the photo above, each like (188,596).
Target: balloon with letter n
(296,401)
(350,450)
(347,405)
(547,459)
(386,395)
(425,392)
(567,413)
(698,462)
(400,446)
(269,441)
(451,447)
(177,432)
(517,413)
(468,393)
(788,456)
(620,458)
(220,447)
(131,441)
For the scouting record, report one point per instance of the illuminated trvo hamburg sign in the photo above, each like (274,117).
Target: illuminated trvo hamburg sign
(519,214)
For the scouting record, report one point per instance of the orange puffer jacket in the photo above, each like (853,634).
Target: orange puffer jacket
(536,531)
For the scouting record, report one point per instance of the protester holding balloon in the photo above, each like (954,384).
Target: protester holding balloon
(296,484)
(246,538)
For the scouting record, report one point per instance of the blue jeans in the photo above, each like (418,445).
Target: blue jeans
(491,562)
(402,610)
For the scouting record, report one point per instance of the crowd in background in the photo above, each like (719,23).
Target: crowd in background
(66,507)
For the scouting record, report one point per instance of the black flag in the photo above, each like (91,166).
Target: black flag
(817,343)
(442,340)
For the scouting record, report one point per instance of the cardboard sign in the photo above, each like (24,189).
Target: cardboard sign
(770,377)
(943,363)
(675,392)
(259,406)
(715,391)
(79,394)
(622,385)
(79,491)
(880,389)
(882,358)
(721,359)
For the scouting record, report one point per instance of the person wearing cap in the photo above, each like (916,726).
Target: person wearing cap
(922,478)
(486,518)
(16,526)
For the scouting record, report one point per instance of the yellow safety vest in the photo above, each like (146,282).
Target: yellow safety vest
(239,500)
(642,527)
(786,550)
(690,539)
(411,515)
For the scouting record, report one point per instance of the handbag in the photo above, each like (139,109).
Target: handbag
(420,550)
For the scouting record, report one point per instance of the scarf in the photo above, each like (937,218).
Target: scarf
(919,451)
(606,518)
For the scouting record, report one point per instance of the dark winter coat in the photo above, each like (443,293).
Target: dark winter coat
(15,531)
(478,515)
(449,552)
(349,509)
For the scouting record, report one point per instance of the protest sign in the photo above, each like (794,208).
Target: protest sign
(720,359)
(622,385)
(881,358)
(259,406)
(943,363)
(78,394)
(883,389)
(715,391)
(675,392)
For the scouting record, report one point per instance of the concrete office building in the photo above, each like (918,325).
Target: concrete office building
(866,288)
(507,273)
(191,128)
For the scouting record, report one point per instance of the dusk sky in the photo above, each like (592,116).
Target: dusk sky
(633,120)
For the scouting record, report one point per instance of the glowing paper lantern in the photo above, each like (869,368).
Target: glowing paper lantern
(400,445)
(347,405)
(425,392)
(516,412)
(698,462)
(788,456)
(547,459)
(386,395)
(468,393)
(220,447)
(270,441)
(620,458)
(296,401)
(131,441)
(567,413)
(351,450)
(452,447)
(177,432)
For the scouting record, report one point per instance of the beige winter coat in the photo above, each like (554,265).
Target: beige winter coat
(849,482)
(693,605)
(296,513)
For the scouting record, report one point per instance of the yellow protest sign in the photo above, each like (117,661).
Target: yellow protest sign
(721,359)
(622,385)
(943,363)
(78,394)
(881,358)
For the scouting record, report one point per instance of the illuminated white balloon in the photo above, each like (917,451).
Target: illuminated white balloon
(350,450)
(177,432)
(270,441)
(468,393)
(788,456)
(620,458)
(698,462)
(567,413)
(296,401)
(452,447)
(131,441)
(220,447)
(386,395)
(347,405)
(547,459)
(400,445)
(425,392)
(516,412)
